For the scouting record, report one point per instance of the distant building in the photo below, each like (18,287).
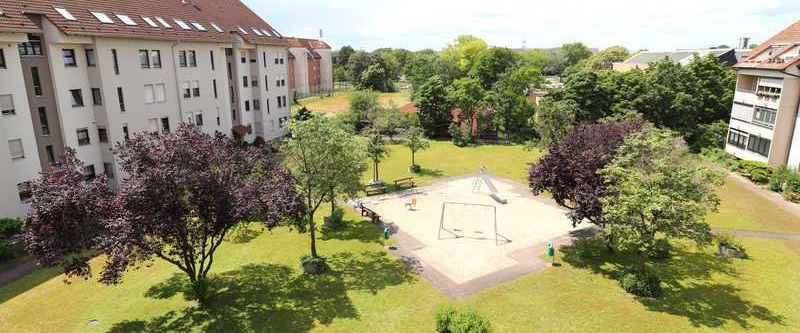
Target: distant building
(642,60)
(310,67)
(764,124)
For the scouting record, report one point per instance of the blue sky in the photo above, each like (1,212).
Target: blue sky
(418,24)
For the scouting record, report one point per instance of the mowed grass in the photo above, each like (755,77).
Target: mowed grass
(259,288)
(340,102)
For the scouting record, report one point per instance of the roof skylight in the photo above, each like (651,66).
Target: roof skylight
(199,26)
(256,31)
(126,19)
(102,17)
(164,23)
(149,21)
(266,33)
(242,30)
(65,13)
(182,24)
(216,27)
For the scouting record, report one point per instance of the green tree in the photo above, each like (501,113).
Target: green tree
(467,94)
(656,188)
(586,89)
(357,63)
(575,52)
(433,107)
(714,83)
(415,142)
(325,161)
(605,58)
(553,120)
(363,106)
(464,51)
(491,64)
(511,109)
(376,150)
(669,99)
(342,57)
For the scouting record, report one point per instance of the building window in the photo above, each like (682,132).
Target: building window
(91,60)
(69,58)
(254,82)
(108,169)
(266,82)
(195,88)
(243,56)
(16,150)
(45,124)
(186,88)
(267,105)
(2,58)
(149,94)
(211,56)
(97,98)
(115,60)
(144,58)
(230,72)
(160,93)
(121,99)
(83,137)
(7,105)
(165,125)
(233,114)
(219,121)
(214,85)
(102,134)
(155,58)
(77,97)
(51,155)
(88,173)
(764,117)
(244,81)
(759,145)
(247,105)
(37,82)
(182,58)
(192,59)
(256,104)
(125,133)
(264,57)
(198,119)
(25,191)
(233,99)
(32,47)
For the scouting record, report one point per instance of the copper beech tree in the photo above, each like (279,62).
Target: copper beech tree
(181,195)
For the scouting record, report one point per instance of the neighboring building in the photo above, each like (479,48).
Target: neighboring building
(643,59)
(90,74)
(764,124)
(311,66)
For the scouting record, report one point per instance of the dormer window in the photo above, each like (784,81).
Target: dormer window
(163,22)
(216,27)
(102,17)
(199,26)
(65,13)
(242,30)
(256,31)
(126,19)
(149,21)
(182,24)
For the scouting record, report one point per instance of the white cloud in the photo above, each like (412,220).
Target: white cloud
(416,24)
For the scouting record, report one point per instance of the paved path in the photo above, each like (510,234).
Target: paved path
(788,236)
(18,269)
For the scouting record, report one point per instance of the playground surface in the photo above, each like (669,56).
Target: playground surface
(463,254)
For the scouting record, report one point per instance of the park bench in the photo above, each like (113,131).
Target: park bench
(375,189)
(408,181)
(369,213)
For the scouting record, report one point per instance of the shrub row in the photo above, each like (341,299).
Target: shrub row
(451,320)
(781,180)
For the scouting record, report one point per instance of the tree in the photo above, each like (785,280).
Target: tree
(491,64)
(324,160)
(184,192)
(575,52)
(415,142)
(585,88)
(363,105)
(357,63)
(342,57)
(467,94)
(9,230)
(376,150)
(464,51)
(302,114)
(511,109)
(553,120)
(569,170)
(433,107)
(669,99)
(713,88)
(605,58)
(655,188)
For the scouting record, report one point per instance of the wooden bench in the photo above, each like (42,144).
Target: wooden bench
(372,215)
(375,189)
(408,181)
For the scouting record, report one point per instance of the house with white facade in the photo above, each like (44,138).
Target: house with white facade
(764,124)
(90,74)
(310,67)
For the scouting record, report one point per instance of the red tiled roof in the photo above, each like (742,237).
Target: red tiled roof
(234,14)
(790,35)
(13,19)
(310,44)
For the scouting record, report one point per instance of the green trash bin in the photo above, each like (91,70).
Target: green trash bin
(386,233)
(551,251)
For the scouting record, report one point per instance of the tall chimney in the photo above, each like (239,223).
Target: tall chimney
(744,43)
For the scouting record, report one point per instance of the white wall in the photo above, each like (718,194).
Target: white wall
(326,68)
(300,69)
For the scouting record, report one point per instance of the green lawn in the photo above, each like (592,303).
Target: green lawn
(340,102)
(258,286)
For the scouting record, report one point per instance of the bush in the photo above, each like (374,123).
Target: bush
(8,229)
(335,220)
(787,182)
(450,320)
(721,157)
(461,135)
(758,172)
(313,265)
(727,240)
(640,282)
(661,250)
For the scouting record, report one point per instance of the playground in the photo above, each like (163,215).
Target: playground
(467,233)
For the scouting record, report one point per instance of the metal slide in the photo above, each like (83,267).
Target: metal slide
(483,173)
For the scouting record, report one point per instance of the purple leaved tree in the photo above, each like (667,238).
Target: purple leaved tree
(183,193)
(570,169)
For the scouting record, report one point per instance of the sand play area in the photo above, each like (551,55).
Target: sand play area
(459,251)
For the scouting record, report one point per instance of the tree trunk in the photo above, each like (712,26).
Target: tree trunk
(333,201)
(376,172)
(643,256)
(200,289)
(413,162)
(312,230)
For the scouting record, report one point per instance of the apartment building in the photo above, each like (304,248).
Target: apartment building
(310,67)
(764,123)
(90,74)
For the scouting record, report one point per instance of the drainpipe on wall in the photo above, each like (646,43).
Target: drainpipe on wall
(177,83)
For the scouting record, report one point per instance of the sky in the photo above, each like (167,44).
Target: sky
(420,24)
